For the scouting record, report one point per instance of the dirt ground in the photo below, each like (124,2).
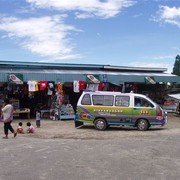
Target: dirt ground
(66,130)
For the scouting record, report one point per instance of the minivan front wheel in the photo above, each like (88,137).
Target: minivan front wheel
(100,124)
(142,125)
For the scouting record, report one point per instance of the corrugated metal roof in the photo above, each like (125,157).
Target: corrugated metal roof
(71,75)
(135,68)
(41,65)
(56,71)
(46,65)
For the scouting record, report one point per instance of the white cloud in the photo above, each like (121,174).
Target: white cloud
(169,66)
(170,15)
(83,15)
(46,36)
(163,57)
(158,61)
(86,8)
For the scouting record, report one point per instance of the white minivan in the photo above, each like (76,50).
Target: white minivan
(105,108)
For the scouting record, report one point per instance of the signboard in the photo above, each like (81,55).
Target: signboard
(170,104)
(150,80)
(93,79)
(15,78)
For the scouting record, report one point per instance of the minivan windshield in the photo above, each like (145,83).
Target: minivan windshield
(86,100)
(142,102)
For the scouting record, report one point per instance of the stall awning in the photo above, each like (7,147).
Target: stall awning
(175,96)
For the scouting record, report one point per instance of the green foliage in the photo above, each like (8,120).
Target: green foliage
(176,69)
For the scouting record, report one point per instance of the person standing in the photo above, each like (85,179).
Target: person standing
(38,118)
(7,112)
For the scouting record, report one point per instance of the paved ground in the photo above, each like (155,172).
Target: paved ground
(114,154)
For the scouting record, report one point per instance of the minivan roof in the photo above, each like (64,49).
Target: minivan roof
(111,93)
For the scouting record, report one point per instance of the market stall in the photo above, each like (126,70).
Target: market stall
(176,97)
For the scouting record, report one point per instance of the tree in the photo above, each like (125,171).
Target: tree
(176,68)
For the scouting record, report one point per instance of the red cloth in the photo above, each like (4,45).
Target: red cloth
(43,85)
(101,86)
(20,130)
(82,85)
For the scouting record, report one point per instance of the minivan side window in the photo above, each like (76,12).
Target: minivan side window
(141,102)
(103,100)
(86,100)
(122,101)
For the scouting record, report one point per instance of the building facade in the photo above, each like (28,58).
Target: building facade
(51,86)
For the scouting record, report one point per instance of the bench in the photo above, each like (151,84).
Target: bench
(22,111)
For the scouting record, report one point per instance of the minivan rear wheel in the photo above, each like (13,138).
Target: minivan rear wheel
(100,124)
(142,125)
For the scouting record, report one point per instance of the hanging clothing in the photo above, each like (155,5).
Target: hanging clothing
(92,87)
(31,86)
(60,99)
(82,85)
(50,88)
(60,88)
(101,86)
(76,86)
(79,86)
(43,85)
(36,86)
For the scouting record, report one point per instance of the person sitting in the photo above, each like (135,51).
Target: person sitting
(137,102)
(20,128)
(31,128)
